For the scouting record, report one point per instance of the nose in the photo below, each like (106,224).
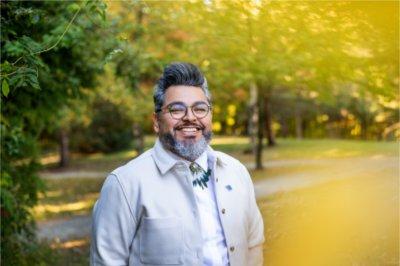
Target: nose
(189,115)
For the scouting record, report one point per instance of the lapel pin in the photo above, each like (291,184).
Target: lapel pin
(228,187)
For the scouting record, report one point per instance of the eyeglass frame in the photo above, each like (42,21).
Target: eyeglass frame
(186,109)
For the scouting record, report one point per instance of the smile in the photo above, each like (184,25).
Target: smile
(189,129)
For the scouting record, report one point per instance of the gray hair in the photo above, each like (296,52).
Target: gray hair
(189,149)
(179,74)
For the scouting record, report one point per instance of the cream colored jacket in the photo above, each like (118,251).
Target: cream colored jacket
(147,213)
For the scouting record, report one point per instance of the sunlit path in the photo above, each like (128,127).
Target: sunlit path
(328,170)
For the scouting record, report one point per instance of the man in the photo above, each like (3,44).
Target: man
(181,202)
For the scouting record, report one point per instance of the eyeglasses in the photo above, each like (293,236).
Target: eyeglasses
(178,110)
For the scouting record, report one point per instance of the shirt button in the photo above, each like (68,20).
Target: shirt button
(216,180)
(232,248)
(223,211)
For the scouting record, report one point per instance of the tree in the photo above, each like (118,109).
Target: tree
(311,52)
(49,53)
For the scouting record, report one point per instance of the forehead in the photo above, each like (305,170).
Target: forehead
(185,94)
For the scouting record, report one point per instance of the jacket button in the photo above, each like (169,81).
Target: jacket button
(232,248)
(223,211)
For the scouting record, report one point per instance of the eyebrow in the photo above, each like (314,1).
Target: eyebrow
(182,103)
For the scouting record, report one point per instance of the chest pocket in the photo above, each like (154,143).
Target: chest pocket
(161,241)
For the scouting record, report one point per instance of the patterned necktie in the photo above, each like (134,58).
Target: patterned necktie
(200,177)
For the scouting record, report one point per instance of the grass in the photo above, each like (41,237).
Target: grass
(352,221)
(286,171)
(286,149)
(71,252)
(348,221)
(67,197)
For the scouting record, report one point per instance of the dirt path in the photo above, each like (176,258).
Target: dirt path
(64,229)
(331,169)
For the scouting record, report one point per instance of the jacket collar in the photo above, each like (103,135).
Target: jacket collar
(165,160)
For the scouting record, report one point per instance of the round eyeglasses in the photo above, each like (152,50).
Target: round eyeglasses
(179,110)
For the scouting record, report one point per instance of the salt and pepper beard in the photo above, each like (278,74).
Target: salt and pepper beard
(187,149)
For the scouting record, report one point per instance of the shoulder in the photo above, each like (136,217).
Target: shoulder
(136,168)
(234,167)
(128,179)
(228,160)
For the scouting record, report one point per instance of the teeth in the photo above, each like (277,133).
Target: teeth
(189,129)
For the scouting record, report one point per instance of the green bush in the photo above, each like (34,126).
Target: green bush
(49,52)
(109,130)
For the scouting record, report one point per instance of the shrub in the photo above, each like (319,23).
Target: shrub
(109,130)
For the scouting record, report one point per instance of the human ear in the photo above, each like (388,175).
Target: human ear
(156,125)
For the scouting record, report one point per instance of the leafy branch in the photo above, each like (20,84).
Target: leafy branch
(47,49)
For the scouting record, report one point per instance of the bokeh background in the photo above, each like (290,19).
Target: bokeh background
(305,94)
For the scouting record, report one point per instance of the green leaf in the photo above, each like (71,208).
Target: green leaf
(6,67)
(33,81)
(5,89)
(73,7)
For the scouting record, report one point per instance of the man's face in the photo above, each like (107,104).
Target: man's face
(189,130)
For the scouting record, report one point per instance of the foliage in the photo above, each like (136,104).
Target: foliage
(89,124)
(46,58)
(123,91)
(328,69)
(318,53)
(104,134)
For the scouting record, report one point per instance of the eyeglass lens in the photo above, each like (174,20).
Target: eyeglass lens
(179,110)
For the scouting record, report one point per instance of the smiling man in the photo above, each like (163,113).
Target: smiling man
(181,202)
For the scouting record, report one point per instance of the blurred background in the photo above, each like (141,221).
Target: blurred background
(305,94)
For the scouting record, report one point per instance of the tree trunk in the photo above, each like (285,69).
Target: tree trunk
(64,148)
(299,125)
(363,110)
(138,137)
(253,118)
(298,119)
(285,128)
(364,127)
(260,131)
(268,121)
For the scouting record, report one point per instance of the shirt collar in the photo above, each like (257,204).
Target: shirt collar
(165,159)
(202,161)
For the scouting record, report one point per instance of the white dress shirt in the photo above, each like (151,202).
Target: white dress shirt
(214,247)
